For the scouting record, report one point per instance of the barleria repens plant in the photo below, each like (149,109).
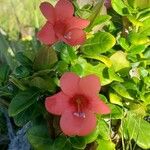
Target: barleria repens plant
(76,75)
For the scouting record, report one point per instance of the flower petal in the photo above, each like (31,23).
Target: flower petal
(74,37)
(64,9)
(48,11)
(90,85)
(99,107)
(79,23)
(47,34)
(57,103)
(72,125)
(69,83)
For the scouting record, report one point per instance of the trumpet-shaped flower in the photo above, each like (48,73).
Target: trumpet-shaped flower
(61,25)
(77,103)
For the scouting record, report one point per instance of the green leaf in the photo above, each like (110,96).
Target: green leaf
(121,90)
(47,84)
(62,143)
(134,21)
(116,112)
(68,53)
(39,138)
(24,61)
(105,145)
(100,19)
(4,72)
(77,68)
(45,59)
(7,52)
(101,42)
(138,130)
(62,67)
(138,38)
(104,131)
(92,136)
(123,43)
(137,49)
(120,7)
(101,58)
(115,98)
(22,101)
(139,4)
(78,142)
(121,62)
(27,115)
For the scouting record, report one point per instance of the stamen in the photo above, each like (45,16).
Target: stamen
(79,114)
(68,36)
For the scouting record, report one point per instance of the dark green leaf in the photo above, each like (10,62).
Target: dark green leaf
(78,142)
(4,71)
(22,101)
(39,138)
(45,59)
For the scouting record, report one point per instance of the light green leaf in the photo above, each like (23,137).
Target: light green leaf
(138,130)
(101,42)
(121,90)
(119,60)
(101,58)
(116,112)
(120,7)
(115,98)
(105,145)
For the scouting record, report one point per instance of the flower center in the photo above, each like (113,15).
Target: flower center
(80,102)
(68,35)
(60,28)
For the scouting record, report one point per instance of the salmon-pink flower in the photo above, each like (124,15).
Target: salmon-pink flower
(77,104)
(61,25)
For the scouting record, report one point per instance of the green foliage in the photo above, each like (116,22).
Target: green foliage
(22,101)
(101,42)
(117,50)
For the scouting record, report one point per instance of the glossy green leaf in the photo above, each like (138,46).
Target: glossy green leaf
(27,115)
(4,72)
(115,98)
(105,145)
(138,130)
(137,38)
(101,58)
(104,131)
(62,143)
(139,4)
(23,60)
(92,136)
(99,43)
(39,138)
(121,62)
(116,112)
(120,7)
(121,90)
(137,49)
(78,142)
(43,83)
(100,19)
(22,101)
(45,59)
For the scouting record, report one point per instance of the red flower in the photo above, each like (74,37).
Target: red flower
(77,104)
(61,25)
